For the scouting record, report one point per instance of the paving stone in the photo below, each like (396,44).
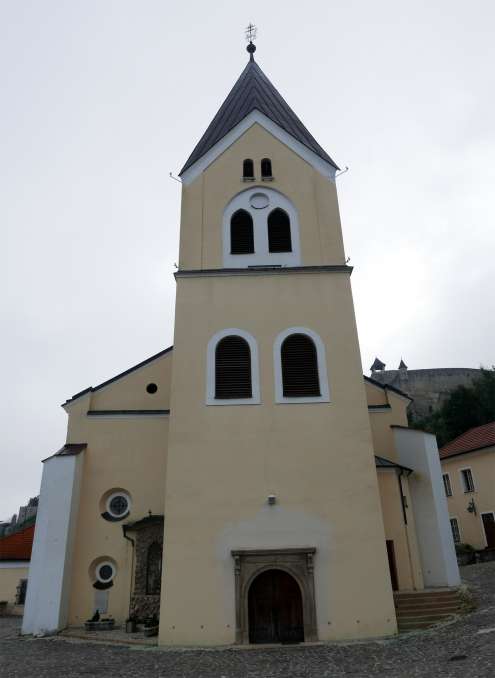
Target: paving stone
(463,648)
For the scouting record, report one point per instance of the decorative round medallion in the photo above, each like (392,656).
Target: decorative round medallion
(259,201)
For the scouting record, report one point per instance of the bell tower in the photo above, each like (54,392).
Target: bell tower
(270,461)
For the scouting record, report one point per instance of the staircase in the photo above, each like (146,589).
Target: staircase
(422,609)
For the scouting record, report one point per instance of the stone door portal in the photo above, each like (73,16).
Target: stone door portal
(275,596)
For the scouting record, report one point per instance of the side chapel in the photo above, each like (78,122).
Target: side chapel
(247,484)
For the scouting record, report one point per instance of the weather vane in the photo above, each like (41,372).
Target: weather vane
(251,31)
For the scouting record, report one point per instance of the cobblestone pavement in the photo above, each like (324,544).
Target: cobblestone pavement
(465,647)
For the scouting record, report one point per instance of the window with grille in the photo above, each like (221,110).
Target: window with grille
(154,569)
(248,169)
(456,535)
(299,367)
(233,368)
(447,485)
(467,480)
(266,168)
(241,233)
(279,238)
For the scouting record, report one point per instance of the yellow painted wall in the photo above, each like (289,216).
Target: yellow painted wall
(224,461)
(381,421)
(482,465)
(314,196)
(126,453)
(9,580)
(409,572)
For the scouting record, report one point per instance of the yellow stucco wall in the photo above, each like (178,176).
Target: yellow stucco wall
(409,572)
(482,465)
(224,461)
(126,453)
(381,421)
(204,201)
(9,580)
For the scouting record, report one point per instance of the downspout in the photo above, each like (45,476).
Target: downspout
(404,513)
(124,531)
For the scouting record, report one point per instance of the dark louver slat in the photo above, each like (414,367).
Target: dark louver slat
(279,238)
(300,367)
(233,368)
(241,233)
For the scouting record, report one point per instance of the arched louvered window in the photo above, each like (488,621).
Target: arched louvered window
(233,368)
(279,239)
(248,169)
(266,168)
(241,233)
(154,569)
(299,367)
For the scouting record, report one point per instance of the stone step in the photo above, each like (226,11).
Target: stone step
(427,606)
(434,593)
(425,617)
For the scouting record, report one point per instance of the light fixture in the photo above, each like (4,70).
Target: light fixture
(272,500)
(471,507)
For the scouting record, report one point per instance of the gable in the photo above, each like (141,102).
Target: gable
(128,390)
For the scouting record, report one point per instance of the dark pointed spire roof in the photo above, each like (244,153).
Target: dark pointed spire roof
(402,365)
(253,91)
(377,366)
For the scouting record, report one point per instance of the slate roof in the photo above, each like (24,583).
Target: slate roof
(17,546)
(475,438)
(254,91)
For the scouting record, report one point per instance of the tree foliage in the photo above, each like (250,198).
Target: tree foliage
(466,407)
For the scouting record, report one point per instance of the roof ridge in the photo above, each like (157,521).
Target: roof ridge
(462,435)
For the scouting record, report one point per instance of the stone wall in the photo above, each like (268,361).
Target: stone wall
(428,388)
(142,603)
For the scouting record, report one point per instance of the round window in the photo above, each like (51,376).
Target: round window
(118,505)
(105,572)
(152,388)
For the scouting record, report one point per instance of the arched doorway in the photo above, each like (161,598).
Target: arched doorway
(275,609)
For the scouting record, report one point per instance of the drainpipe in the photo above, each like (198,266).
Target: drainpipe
(406,529)
(124,531)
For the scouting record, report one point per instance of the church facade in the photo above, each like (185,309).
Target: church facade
(249,484)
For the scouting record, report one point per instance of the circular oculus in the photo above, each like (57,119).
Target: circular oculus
(259,201)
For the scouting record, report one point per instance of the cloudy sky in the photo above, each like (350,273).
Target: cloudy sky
(101,99)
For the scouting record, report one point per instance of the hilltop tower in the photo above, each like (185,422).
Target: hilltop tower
(273,525)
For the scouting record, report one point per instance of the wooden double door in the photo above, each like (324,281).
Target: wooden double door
(275,609)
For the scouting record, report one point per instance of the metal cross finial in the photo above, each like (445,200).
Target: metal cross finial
(251,31)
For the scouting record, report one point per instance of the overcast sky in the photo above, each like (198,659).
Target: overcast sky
(101,99)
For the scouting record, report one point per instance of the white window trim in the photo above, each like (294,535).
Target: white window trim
(261,256)
(467,468)
(322,367)
(485,513)
(99,566)
(458,529)
(210,369)
(450,485)
(118,494)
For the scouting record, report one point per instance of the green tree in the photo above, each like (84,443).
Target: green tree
(466,406)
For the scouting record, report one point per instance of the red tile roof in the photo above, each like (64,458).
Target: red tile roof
(17,546)
(474,439)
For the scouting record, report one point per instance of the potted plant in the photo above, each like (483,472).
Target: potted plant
(131,623)
(151,626)
(465,553)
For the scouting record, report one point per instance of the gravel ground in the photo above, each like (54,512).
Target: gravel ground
(465,647)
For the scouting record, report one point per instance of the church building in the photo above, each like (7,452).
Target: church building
(248,484)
